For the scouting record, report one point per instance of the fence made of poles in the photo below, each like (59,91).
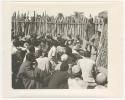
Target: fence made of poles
(46,25)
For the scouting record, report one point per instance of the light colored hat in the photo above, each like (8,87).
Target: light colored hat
(64,57)
(101,78)
(75,69)
(102,70)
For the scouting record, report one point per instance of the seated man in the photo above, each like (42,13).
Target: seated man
(75,81)
(59,79)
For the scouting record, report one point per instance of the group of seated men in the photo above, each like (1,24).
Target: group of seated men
(48,62)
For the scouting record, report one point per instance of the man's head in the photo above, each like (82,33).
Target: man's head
(38,53)
(87,54)
(16,43)
(73,58)
(76,71)
(64,67)
(55,43)
(101,79)
(68,51)
(64,57)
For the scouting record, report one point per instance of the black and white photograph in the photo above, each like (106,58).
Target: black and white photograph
(62,49)
(59,51)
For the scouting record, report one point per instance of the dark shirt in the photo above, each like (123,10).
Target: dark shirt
(32,78)
(59,80)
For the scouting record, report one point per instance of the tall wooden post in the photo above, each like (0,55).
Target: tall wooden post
(45,23)
(34,22)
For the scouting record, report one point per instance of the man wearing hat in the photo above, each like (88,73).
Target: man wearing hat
(101,80)
(75,81)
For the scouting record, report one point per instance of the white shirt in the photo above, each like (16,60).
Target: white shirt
(14,49)
(52,52)
(76,83)
(58,66)
(36,49)
(60,49)
(87,66)
(43,63)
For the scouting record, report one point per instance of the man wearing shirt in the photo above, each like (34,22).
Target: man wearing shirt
(87,66)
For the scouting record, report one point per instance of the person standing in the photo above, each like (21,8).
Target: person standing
(90,31)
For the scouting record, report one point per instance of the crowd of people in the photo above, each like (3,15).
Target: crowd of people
(54,62)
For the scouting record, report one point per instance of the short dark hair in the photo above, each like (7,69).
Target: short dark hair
(15,43)
(64,67)
(87,54)
(55,43)
(68,51)
(77,74)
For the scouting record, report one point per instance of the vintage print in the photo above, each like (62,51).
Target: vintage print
(59,51)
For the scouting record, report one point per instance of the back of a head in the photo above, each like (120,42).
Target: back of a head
(64,67)
(101,79)
(38,53)
(64,57)
(87,54)
(16,43)
(76,71)
(30,57)
(68,51)
(54,43)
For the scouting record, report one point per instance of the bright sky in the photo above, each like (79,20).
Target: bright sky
(87,14)
(66,8)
